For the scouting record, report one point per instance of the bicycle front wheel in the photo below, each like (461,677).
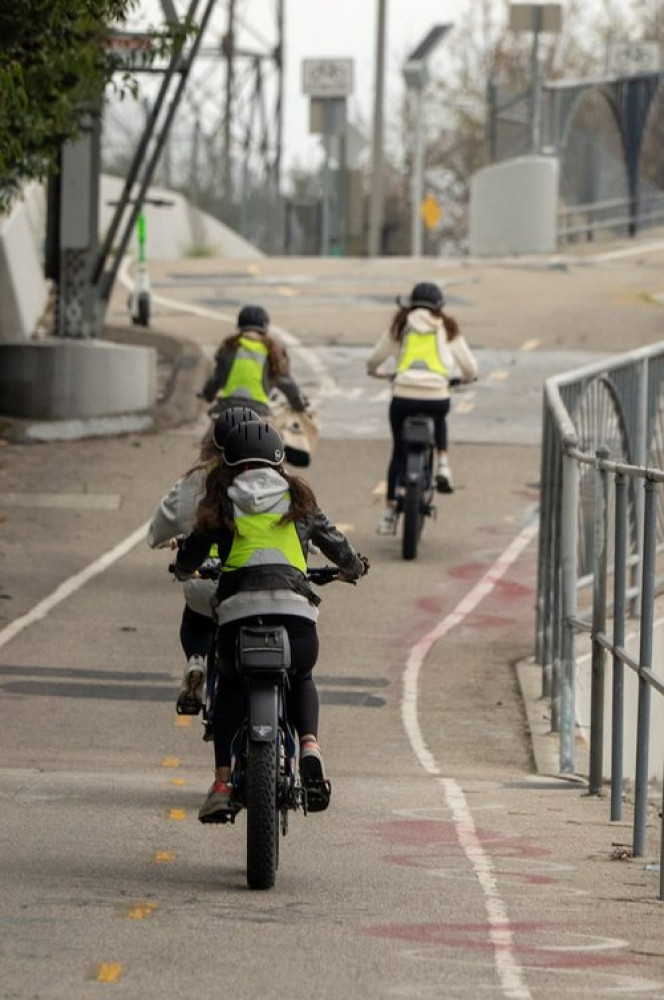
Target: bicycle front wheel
(412,519)
(262,815)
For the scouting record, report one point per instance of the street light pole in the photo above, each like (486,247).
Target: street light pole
(418,174)
(376,200)
(416,75)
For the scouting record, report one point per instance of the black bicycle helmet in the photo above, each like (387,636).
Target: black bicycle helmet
(253,442)
(425,295)
(253,318)
(227,420)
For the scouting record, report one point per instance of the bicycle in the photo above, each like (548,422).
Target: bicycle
(264,777)
(415,486)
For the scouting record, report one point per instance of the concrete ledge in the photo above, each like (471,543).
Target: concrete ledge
(544,743)
(57,379)
(182,368)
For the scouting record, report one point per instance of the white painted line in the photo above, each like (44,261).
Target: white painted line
(62,501)
(73,584)
(634,251)
(507,967)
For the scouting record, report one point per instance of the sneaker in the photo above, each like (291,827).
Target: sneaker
(318,789)
(217,802)
(190,696)
(387,523)
(444,482)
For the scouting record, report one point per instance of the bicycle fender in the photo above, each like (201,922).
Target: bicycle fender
(263,714)
(414,466)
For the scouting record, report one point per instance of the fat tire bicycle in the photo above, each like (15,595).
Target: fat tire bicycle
(265,778)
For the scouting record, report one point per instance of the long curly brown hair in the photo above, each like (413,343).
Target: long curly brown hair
(400,321)
(215,509)
(277,357)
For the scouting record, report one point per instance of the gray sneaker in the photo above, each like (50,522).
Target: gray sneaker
(388,522)
(444,482)
(190,695)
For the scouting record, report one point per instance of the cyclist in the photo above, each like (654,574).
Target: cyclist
(261,519)
(175,517)
(428,346)
(249,364)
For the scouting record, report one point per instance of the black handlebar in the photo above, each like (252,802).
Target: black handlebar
(320,575)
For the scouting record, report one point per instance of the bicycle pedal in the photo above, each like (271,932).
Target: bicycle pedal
(223,816)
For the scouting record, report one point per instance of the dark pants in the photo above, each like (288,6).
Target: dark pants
(301,697)
(400,408)
(196,633)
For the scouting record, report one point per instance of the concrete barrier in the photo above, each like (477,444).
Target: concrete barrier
(57,379)
(513,207)
(23,289)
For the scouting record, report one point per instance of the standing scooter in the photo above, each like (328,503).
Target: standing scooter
(139,298)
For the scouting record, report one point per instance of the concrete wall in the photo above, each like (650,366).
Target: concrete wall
(23,290)
(513,207)
(176,231)
(58,379)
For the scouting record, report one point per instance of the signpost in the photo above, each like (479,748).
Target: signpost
(327,83)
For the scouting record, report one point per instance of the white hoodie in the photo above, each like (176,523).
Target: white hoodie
(419,383)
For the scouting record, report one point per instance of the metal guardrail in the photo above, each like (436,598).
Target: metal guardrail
(601,520)
(584,220)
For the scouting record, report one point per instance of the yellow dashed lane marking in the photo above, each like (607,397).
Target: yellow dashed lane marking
(345,527)
(464,407)
(139,911)
(498,376)
(164,857)
(108,972)
(253,269)
(183,721)
(380,487)
(286,291)
(170,762)
(529,345)
(178,781)
(178,814)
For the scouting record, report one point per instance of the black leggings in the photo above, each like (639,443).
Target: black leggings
(196,633)
(301,697)
(402,407)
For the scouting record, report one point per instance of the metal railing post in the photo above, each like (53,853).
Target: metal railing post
(598,624)
(568,560)
(645,660)
(619,602)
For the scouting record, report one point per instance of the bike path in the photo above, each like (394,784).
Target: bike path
(469,876)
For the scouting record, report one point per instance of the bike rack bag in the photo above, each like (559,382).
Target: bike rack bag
(419,431)
(263,648)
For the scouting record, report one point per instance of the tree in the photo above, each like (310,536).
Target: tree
(54,64)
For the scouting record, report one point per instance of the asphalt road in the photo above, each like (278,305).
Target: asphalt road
(446,865)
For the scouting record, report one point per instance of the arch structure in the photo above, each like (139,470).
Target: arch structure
(630,99)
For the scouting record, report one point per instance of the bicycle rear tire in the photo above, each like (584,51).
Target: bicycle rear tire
(412,519)
(262,815)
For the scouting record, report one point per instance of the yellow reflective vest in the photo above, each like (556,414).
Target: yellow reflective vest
(419,349)
(246,375)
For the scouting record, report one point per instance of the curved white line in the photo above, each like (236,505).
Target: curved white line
(73,584)
(508,969)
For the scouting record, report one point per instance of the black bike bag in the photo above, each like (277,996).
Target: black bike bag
(418,430)
(263,649)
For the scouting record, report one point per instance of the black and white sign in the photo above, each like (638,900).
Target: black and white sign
(327,77)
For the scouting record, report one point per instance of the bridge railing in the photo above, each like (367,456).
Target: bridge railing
(616,215)
(601,563)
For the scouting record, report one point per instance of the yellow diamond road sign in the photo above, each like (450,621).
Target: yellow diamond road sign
(430,211)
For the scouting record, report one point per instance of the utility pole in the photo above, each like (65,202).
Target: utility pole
(376,202)
(228,48)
